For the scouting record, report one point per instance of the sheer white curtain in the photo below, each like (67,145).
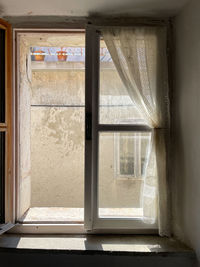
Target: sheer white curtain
(139,55)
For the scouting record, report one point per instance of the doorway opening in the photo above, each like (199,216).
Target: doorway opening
(51,76)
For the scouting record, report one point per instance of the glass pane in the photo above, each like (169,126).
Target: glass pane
(122,160)
(2,175)
(115,107)
(2,75)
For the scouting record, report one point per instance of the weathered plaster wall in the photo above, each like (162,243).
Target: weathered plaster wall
(57,144)
(24,186)
(186,110)
(57,139)
(57,157)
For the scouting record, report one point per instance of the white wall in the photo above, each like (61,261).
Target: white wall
(186,112)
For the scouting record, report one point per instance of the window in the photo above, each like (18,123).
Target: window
(131,151)
(75,92)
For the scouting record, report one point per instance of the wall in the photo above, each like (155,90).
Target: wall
(185,112)
(52,258)
(57,144)
(57,139)
(24,187)
(142,8)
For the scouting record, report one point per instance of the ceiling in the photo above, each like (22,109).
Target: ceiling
(84,8)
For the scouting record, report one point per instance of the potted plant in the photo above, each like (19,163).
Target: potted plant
(62,55)
(39,55)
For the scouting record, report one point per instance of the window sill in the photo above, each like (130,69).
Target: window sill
(96,244)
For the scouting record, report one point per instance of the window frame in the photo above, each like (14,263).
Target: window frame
(7,128)
(96,222)
(92,224)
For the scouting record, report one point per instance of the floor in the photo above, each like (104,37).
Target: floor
(61,214)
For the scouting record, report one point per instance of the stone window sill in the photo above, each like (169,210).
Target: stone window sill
(95,244)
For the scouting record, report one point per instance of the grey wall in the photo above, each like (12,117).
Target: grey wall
(186,114)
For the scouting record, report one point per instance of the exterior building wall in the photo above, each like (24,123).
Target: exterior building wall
(57,144)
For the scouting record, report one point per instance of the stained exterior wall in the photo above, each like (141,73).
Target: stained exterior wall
(57,145)
(57,139)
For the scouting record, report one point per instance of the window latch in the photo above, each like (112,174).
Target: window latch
(88,126)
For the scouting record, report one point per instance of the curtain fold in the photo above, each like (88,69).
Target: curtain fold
(139,55)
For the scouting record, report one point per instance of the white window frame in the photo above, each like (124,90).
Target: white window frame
(93,221)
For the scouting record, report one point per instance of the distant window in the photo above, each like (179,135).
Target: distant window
(130,154)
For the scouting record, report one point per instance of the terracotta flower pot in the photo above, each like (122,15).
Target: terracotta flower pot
(62,55)
(39,55)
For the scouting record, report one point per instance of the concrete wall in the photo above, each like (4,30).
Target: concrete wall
(186,110)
